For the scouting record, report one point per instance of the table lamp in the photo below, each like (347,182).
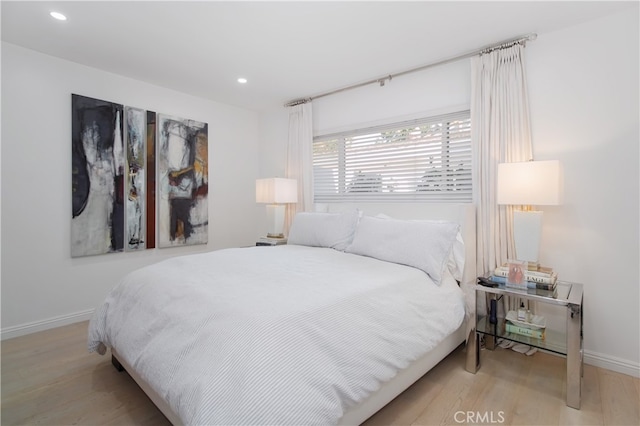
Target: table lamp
(529,183)
(275,193)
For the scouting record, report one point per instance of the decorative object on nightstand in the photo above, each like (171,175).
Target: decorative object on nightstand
(542,278)
(515,274)
(527,184)
(275,193)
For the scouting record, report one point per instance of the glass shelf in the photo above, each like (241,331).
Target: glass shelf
(554,341)
(560,296)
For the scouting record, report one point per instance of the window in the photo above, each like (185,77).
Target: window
(420,160)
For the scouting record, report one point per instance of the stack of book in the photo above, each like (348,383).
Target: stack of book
(268,241)
(542,278)
(535,327)
(524,331)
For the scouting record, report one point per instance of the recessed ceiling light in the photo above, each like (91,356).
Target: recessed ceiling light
(59,16)
(242,80)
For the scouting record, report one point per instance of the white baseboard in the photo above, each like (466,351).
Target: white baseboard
(612,363)
(34,327)
(607,362)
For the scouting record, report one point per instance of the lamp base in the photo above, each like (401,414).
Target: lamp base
(275,219)
(527,231)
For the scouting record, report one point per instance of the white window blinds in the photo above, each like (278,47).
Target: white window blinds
(426,159)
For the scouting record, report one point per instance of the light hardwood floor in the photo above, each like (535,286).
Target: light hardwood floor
(49,378)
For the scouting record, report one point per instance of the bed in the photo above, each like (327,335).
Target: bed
(324,330)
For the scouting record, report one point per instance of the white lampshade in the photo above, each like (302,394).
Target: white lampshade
(529,183)
(276,191)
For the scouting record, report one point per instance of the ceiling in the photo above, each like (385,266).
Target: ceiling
(286,50)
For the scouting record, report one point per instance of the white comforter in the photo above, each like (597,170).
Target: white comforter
(273,335)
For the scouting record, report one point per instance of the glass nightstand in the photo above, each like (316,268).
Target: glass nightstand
(567,341)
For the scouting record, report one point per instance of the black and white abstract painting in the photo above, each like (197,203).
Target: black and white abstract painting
(97,175)
(135,202)
(151,180)
(183,179)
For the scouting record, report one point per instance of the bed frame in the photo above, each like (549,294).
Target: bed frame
(464,214)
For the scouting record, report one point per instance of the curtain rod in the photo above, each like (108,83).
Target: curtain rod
(382,80)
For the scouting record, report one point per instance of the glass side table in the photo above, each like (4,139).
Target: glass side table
(565,342)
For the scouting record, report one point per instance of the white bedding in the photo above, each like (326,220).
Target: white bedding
(273,335)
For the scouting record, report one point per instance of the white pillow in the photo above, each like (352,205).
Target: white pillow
(455,263)
(456,258)
(334,230)
(425,245)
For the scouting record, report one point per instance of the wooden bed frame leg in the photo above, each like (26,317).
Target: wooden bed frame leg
(116,364)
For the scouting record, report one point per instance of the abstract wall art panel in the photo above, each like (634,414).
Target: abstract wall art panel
(135,183)
(183,214)
(97,177)
(151,179)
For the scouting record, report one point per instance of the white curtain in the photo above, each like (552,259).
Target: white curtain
(501,132)
(299,159)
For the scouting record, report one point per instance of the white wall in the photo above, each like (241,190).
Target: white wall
(42,285)
(583,84)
